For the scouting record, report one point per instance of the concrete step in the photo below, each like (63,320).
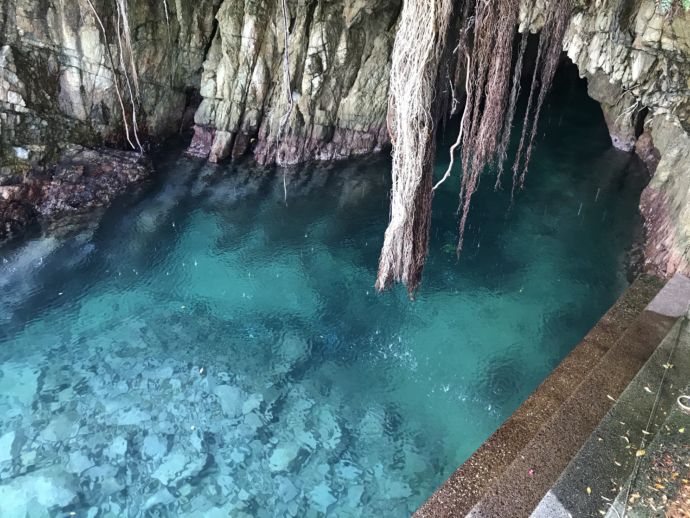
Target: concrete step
(529,477)
(482,478)
(639,434)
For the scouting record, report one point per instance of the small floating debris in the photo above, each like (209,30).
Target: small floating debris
(640,453)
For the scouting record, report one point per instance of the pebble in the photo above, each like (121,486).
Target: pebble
(190,442)
(322,497)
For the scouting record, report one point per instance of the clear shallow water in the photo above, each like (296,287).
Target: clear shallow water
(211,350)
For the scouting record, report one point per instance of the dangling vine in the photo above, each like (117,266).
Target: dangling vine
(123,33)
(492,84)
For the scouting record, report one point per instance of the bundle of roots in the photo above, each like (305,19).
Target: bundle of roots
(419,45)
(493,76)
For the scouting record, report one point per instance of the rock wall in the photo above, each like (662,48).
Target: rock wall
(637,64)
(339,55)
(57,84)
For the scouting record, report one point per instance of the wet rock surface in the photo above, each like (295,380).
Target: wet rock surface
(635,59)
(60,72)
(83,181)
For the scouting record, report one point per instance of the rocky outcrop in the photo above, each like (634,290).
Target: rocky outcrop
(81,182)
(60,71)
(339,54)
(637,62)
(220,63)
(665,203)
(63,75)
(63,82)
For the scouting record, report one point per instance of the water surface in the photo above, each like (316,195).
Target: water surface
(215,348)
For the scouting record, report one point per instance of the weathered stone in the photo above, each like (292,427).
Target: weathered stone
(178,466)
(636,63)
(6,442)
(56,68)
(82,181)
(322,497)
(230,399)
(664,203)
(282,457)
(339,62)
(34,494)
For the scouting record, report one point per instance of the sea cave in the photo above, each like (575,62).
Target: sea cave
(344,258)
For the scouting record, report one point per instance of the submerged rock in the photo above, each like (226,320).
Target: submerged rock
(6,442)
(153,447)
(179,466)
(230,398)
(37,493)
(322,497)
(282,457)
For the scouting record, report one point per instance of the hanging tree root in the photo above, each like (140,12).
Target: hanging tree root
(417,52)
(122,14)
(458,141)
(123,22)
(286,72)
(113,68)
(492,88)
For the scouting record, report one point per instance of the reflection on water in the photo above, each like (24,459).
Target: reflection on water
(217,349)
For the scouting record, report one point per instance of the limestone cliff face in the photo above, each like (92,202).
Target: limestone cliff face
(57,83)
(339,53)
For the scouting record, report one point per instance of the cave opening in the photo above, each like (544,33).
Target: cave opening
(572,121)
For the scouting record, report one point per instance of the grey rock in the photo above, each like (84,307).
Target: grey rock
(153,447)
(230,398)
(6,442)
(178,466)
(322,497)
(282,457)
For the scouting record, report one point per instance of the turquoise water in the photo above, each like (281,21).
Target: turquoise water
(214,347)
